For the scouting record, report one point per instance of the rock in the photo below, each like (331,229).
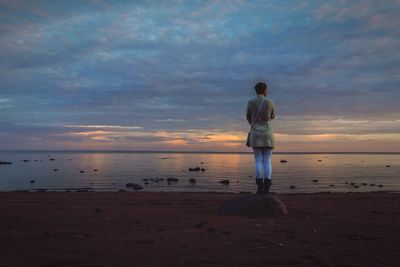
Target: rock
(388,166)
(129,185)
(25,160)
(315,180)
(283,161)
(364,183)
(52,159)
(41,190)
(95,170)
(164,158)
(352,183)
(32,181)
(292,187)
(254,205)
(137,187)
(145,179)
(331,185)
(172,179)
(202,169)
(194,169)
(81,171)
(372,184)
(320,160)
(224,182)
(192,180)
(146,183)
(5,162)
(82,190)
(202,162)
(121,190)
(380,185)
(69,159)
(55,170)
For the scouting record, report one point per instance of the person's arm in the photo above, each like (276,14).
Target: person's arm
(248,113)
(272,110)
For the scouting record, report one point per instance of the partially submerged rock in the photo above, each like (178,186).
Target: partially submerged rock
(254,205)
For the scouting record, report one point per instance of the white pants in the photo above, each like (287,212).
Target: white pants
(262,156)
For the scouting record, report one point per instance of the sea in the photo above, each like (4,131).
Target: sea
(169,171)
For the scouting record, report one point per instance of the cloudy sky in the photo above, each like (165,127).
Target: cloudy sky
(177,75)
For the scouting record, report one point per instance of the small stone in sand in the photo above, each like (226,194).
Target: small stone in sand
(224,182)
(380,185)
(315,181)
(81,171)
(52,159)
(25,160)
(320,160)
(5,162)
(331,185)
(192,180)
(387,166)
(32,181)
(95,170)
(283,161)
(55,170)
(194,169)
(292,187)
(172,179)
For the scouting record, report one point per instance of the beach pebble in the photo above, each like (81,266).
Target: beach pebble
(32,181)
(372,184)
(380,185)
(25,160)
(315,180)
(283,161)
(55,170)
(292,187)
(81,171)
(52,159)
(5,162)
(202,162)
(172,179)
(331,185)
(95,170)
(320,160)
(192,180)
(194,169)
(352,183)
(387,166)
(224,182)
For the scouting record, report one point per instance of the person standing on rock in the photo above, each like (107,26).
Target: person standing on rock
(260,111)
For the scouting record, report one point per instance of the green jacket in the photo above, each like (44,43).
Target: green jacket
(261,134)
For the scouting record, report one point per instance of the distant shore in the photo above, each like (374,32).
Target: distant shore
(185,229)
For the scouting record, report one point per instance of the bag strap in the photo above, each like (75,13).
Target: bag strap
(255,118)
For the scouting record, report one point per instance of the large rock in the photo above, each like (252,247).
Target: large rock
(254,205)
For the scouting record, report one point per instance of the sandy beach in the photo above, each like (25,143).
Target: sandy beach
(186,229)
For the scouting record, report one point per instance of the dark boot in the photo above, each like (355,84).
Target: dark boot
(260,186)
(267,185)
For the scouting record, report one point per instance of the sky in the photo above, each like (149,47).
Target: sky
(177,75)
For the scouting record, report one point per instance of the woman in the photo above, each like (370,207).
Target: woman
(260,111)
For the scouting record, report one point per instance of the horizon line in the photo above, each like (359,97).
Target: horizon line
(187,152)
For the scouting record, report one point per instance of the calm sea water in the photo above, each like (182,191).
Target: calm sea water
(115,170)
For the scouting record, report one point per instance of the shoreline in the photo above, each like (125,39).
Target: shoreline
(138,228)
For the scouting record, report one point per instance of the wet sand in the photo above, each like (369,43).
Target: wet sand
(185,229)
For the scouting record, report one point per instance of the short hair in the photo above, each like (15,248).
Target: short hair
(260,87)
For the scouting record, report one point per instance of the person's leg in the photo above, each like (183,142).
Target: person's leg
(258,168)
(267,156)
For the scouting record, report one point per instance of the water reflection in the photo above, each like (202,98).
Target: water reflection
(117,169)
